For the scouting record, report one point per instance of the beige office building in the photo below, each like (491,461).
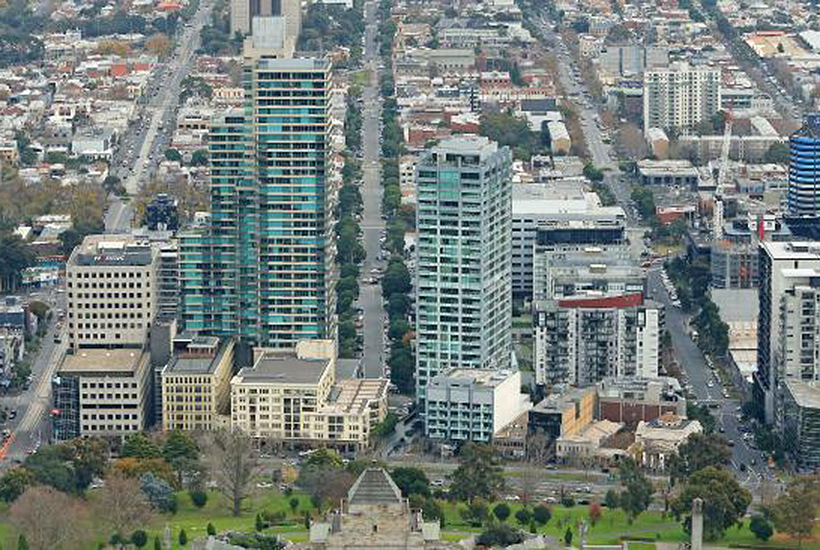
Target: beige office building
(102,393)
(196,384)
(293,397)
(112,292)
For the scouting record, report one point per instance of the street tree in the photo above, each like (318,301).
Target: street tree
(121,506)
(523,516)
(15,256)
(411,481)
(325,484)
(199,157)
(795,511)
(697,452)
(594,513)
(159,492)
(139,445)
(173,155)
(479,474)
(234,465)
(158,44)
(139,538)
(637,494)
(761,528)
(476,513)
(50,520)
(611,499)
(14,483)
(631,142)
(88,457)
(181,451)
(724,501)
(396,279)
(541,514)
(501,511)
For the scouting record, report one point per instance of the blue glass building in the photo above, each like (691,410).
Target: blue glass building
(803,196)
(262,269)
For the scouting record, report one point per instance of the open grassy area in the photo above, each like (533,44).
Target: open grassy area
(610,529)
(218,511)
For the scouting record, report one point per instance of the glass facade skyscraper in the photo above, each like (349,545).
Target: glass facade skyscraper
(263,268)
(803,196)
(464,258)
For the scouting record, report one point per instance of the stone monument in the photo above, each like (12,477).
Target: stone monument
(697,524)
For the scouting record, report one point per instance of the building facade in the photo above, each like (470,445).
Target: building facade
(803,195)
(567,218)
(102,392)
(243,13)
(263,269)
(293,397)
(568,411)
(588,272)
(196,384)
(680,96)
(734,265)
(634,399)
(783,268)
(112,292)
(473,404)
(581,341)
(463,258)
(800,429)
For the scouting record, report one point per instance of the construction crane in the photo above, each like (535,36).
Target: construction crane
(721,179)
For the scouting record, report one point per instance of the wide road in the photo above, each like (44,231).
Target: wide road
(706,387)
(601,153)
(31,427)
(118,217)
(370,298)
(164,99)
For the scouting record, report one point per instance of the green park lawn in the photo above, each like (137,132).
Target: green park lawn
(218,511)
(610,529)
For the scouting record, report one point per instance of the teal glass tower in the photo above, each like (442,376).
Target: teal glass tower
(262,268)
(463,258)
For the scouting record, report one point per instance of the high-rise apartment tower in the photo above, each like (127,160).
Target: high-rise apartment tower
(464,266)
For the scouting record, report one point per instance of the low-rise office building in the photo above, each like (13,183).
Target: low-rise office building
(566,412)
(585,444)
(633,399)
(734,265)
(473,404)
(294,397)
(196,384)
(101,392)
(668,172)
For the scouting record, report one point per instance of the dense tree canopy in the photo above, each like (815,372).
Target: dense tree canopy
(724,501)
(479,474)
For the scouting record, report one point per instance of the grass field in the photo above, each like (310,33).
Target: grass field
(610,529)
